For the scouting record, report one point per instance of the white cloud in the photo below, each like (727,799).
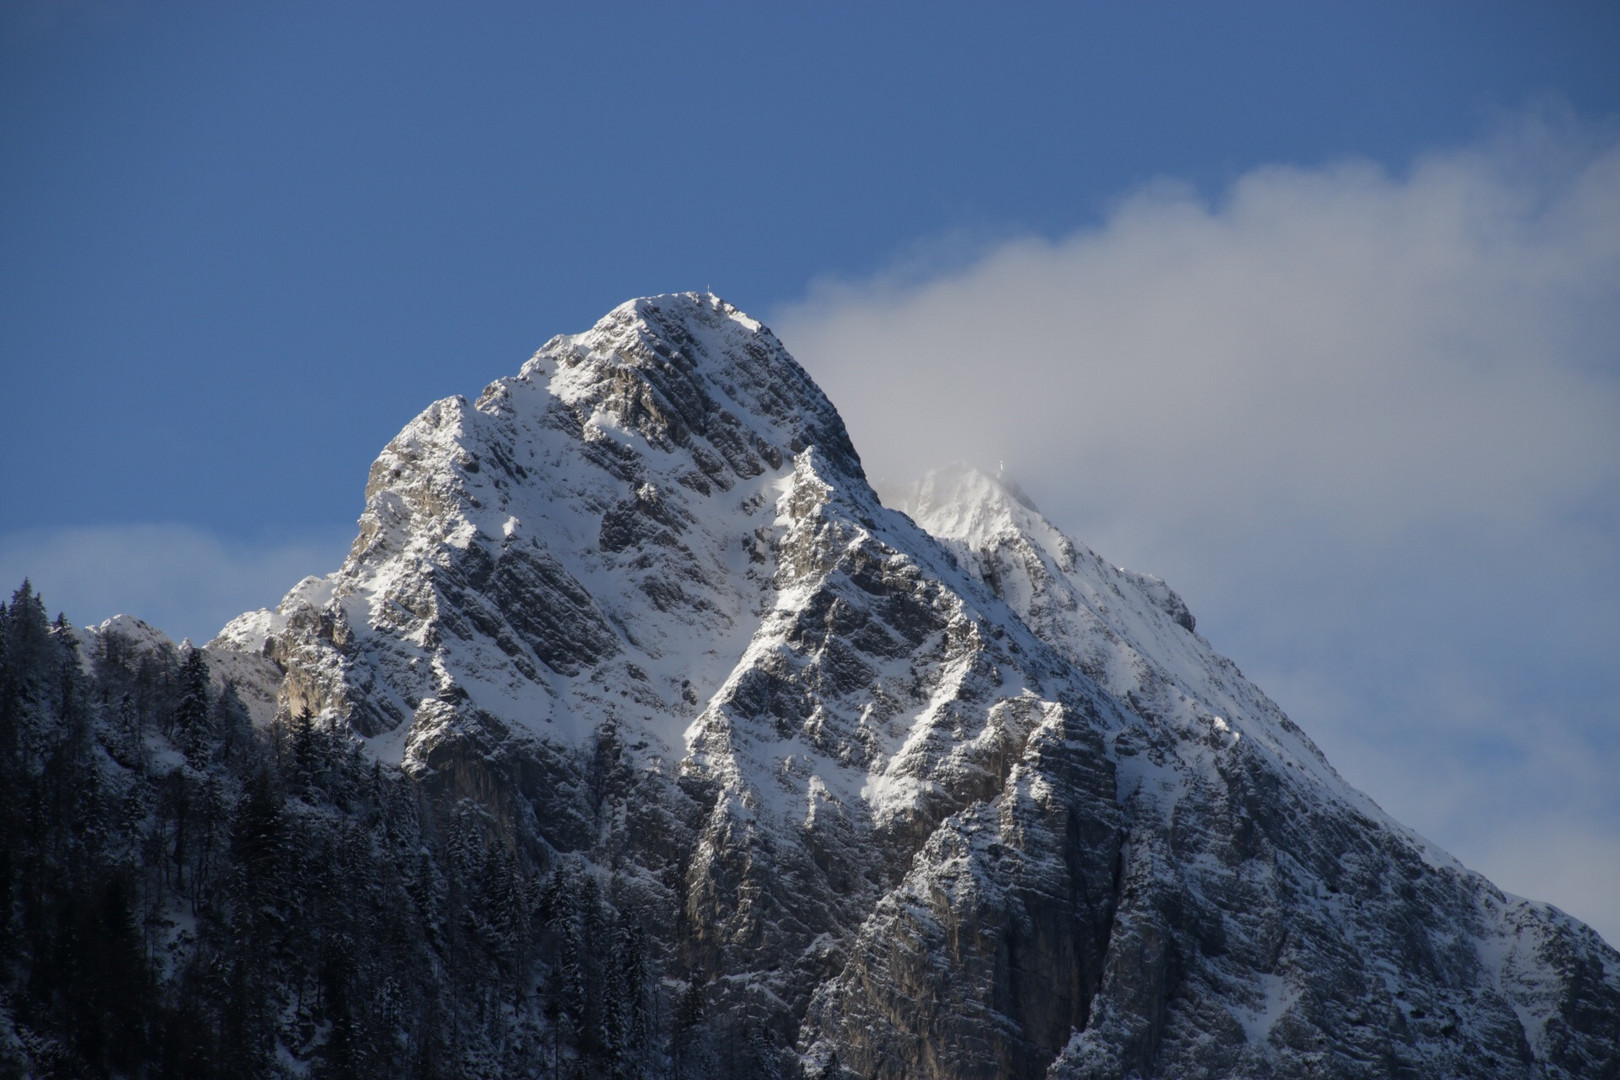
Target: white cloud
(181,579)
(1368,424)
(1335,342)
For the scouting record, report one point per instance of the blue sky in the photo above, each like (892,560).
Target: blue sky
(1346,270)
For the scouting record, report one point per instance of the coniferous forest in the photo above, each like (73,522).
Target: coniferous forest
(182,895)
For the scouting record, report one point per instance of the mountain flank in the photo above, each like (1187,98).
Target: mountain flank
(637,737)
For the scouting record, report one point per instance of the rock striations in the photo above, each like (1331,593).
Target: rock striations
(932,793)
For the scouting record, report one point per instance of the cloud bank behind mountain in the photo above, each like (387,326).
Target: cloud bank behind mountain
(1368,423)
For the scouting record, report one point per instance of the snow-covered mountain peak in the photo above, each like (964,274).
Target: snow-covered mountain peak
(553,552)
(963,504)
(690,370)
(942,794)
(138,634)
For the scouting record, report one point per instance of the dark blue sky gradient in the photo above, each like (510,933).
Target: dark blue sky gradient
(242,244)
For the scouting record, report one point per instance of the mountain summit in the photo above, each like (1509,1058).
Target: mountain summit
(917,791)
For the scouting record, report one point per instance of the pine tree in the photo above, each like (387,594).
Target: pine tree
(193,712)
(29,629)
(211,814)
(9,699)
(126,744)
(174,806)
(305,755)
(689,1013)
(259,838)
(232,726)
(633,960)
(569,968)
(32,663)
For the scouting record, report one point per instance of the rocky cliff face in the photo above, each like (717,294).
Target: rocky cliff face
(938,795)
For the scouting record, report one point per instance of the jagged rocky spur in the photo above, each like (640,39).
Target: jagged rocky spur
(919,792)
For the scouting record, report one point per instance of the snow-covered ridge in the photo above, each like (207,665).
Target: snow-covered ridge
(1128,630)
